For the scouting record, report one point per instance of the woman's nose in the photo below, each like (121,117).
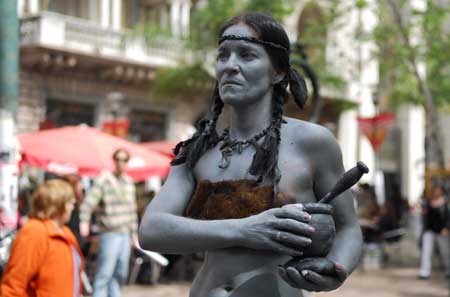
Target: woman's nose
(232,64)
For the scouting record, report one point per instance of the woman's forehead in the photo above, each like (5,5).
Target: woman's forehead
(240,30)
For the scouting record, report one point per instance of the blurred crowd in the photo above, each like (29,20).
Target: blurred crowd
(73,235)
(386,224)
(81,235)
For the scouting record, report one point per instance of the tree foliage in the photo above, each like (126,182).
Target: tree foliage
(206,21)
(313,29)
(398,82)
(417,40)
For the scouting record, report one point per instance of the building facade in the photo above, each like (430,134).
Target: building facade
(78,66)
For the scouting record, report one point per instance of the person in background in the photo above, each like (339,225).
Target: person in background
(114,192)
(436,227)
(74,222)
(45,257)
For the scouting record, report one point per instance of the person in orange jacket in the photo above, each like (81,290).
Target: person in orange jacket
(45,257)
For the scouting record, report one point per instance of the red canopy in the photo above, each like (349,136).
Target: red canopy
(162,147)
(87,151)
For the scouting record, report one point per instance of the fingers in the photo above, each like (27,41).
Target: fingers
(293,226)
(294,274)
(299,280)
(302,211)
(292,211)
(316,208)
(283,273)
(320,265)
(314,277)
(341,272)
(289,239)
(322,283)
(284,249)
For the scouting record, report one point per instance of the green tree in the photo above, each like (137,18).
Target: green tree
(193,75)
(401,59)
(314,23)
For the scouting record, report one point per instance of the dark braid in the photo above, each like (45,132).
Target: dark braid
(217,108)
(265,160)
(205,138)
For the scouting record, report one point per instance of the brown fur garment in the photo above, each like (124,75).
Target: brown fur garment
(232,200)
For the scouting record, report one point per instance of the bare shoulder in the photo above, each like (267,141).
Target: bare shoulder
(310,137)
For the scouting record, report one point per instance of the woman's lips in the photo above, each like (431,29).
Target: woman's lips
(231,83)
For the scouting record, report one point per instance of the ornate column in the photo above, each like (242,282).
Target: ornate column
(175,16)
(116,18)
(105,17)
(33,6)
(20,7)
(185,17)
(411,120)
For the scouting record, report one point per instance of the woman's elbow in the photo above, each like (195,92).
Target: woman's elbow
(146,235)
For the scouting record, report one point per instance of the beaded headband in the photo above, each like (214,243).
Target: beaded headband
(254,40)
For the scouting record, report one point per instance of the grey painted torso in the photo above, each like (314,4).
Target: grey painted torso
(227,272)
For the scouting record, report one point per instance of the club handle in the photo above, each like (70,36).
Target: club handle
(349,178)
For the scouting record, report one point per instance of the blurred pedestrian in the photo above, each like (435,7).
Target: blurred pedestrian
(45,257)
(74,222)
(114,193)
(436,228)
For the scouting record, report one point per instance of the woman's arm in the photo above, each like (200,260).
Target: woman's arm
(325,156)
(328,273)
(164,229)
(347,247)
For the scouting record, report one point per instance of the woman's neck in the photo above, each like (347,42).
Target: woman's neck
(58,223)
(251,119)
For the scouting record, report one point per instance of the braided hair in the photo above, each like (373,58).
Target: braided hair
(271,35)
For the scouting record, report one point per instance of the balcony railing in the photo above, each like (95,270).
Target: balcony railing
(71,33)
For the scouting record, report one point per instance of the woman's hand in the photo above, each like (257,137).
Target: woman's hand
(313,274)
(282,230)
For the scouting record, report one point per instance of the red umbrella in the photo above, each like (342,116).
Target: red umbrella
(162,147)
(87,151)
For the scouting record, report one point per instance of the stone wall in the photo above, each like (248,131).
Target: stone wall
(35,87)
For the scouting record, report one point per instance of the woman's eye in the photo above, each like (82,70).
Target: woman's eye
(221,56)
(248,55)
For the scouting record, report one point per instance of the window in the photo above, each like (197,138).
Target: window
(147,125)
(61,113)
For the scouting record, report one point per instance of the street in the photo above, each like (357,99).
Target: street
(389,282)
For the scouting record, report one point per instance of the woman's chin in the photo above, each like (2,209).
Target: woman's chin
(231,100)
(236,101)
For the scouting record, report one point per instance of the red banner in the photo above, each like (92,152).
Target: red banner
(117,128)
(376,128)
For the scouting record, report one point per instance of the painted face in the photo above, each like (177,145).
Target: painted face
(244,69)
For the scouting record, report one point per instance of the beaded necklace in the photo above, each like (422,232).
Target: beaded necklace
(229,146)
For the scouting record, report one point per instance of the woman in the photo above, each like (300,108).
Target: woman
(223,193)
(436,223)
(45,257)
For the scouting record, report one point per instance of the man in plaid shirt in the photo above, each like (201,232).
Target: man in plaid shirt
(115,193)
